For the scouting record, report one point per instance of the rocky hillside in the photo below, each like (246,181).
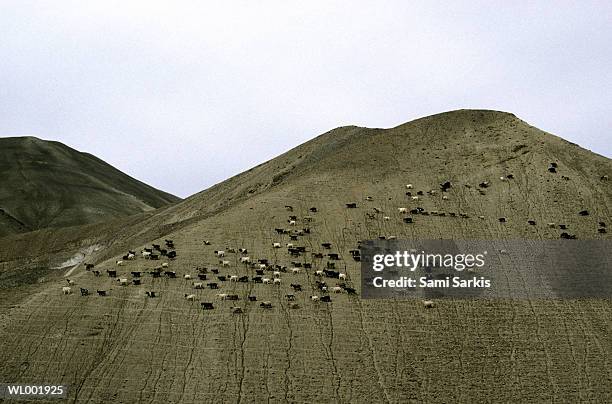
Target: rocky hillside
(128,346)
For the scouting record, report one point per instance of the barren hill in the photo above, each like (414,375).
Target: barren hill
(48,184)
(128,347)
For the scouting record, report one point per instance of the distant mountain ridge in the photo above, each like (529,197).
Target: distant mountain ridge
(48,184)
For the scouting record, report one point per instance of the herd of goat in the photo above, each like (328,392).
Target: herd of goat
(265,273)
(212,278)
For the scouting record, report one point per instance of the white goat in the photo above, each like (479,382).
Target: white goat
(66,290)
(190,297)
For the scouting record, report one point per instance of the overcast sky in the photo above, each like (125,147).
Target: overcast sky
(182,95)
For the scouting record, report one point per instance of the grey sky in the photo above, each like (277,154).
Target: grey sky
(182,95)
